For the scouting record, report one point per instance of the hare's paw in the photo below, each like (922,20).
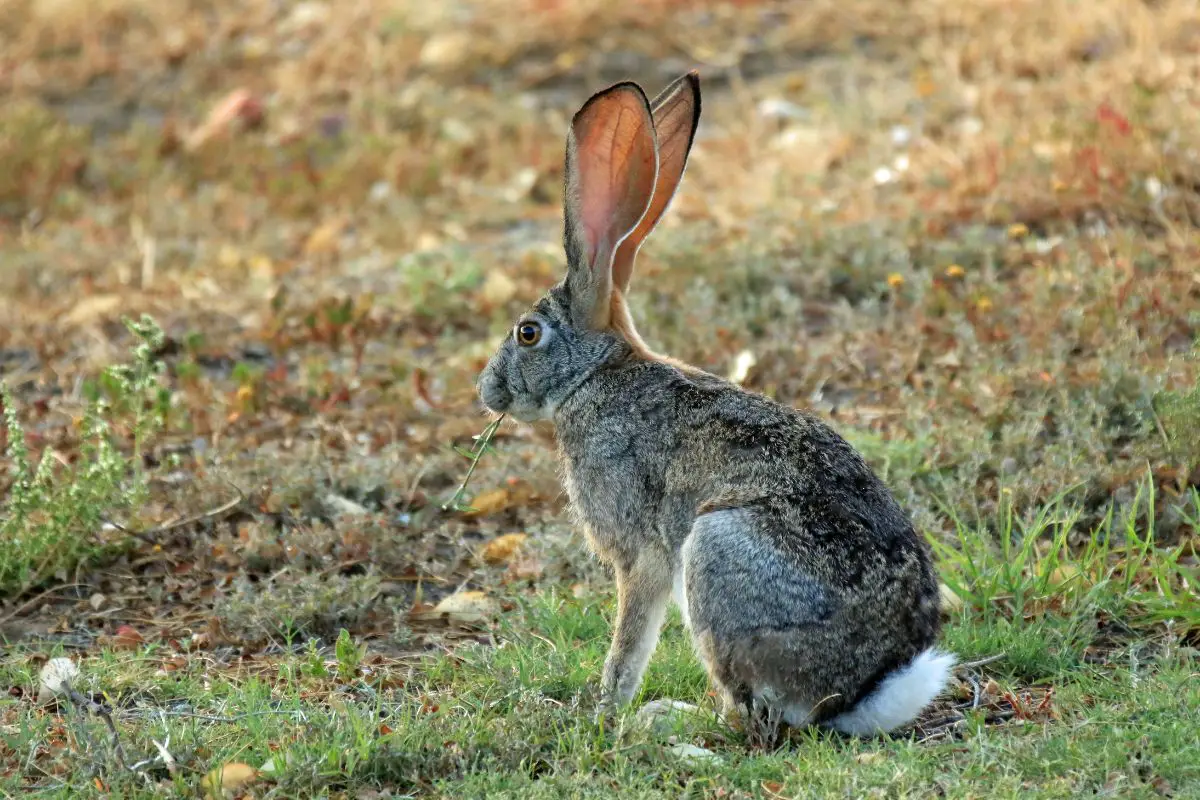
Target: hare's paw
(607,710)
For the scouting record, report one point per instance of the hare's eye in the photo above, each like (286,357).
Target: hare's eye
(528,334)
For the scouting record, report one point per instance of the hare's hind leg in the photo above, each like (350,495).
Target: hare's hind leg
(751,613)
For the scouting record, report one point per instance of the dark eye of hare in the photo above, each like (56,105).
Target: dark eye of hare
(529,334)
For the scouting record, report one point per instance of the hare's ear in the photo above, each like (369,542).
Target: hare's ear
(611,169)
(676,114)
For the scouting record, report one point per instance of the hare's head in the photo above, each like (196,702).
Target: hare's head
(625,158)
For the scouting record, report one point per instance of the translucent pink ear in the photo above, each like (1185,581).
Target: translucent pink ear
(611,170)
(676,114)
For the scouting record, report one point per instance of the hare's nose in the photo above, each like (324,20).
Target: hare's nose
(493,392)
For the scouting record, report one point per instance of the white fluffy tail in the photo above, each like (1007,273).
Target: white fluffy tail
(899,697)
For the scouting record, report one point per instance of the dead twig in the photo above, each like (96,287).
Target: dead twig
(944,732)
(88,706)
(981,662)
(976,690)
(16,612)
(150,536)
(943,722)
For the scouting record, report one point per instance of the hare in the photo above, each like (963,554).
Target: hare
(808,594)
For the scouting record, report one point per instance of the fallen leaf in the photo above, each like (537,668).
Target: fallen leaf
(96,601)
(950,599)
(92,309)
(502,549)
(127,638)
(323,239)
(238,104)
(472,606)
(524,568)
(950,360)
(226,779)
(489,502)
(691,752)
(1066,576)
(445,49)
(344,506)
(55,678)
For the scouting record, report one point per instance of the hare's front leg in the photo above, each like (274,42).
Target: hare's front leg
(643,590)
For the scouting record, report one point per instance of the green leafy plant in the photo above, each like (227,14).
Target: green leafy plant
(55,515)
(349,655)
(483,443)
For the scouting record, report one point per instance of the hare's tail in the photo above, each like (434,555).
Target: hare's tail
(899,697)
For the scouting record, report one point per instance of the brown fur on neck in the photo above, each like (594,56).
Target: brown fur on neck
(621,321)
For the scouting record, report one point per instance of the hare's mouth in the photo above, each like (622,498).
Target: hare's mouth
(498,400)
(526,412)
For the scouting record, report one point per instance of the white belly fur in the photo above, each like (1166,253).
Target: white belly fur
(679,595)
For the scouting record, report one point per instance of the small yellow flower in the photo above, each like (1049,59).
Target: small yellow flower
(895,280)
(984,304)
(245,395)
(925,84)
(1017,231)
(955,271)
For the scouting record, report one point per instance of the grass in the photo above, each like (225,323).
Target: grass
(515,720)
(964,235)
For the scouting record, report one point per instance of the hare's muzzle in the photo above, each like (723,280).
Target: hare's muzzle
(492,391)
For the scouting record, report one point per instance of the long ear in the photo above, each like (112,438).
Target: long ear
(676,114)
(611,169)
